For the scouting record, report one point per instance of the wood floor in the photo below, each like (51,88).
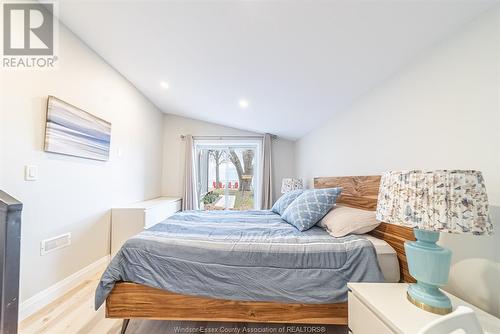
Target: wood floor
(74,314)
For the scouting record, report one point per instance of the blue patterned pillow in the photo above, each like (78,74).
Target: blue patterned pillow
(284,201)
(310,207)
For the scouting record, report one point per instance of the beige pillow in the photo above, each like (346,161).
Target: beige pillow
(343,220)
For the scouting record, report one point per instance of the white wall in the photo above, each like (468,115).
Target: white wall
(174,149)
(72,194)
(442,111)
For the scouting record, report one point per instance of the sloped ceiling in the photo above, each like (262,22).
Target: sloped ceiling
(297,63)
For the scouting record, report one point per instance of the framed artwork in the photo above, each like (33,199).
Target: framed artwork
(72,131)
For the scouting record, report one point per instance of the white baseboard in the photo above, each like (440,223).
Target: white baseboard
(47,296)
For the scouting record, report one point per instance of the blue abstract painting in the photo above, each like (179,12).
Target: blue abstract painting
(75,132)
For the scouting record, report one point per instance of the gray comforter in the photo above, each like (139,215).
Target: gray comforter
(242,255)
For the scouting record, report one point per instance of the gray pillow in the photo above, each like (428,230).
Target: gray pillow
(284,201)
(310,207)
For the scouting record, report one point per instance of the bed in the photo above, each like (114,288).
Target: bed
(309,294)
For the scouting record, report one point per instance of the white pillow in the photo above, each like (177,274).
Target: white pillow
(343,220)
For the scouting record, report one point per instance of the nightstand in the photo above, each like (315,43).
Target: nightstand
(130,220)
(382,308)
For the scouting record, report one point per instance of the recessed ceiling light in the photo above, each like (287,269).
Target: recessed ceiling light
(164,84)
(243,103)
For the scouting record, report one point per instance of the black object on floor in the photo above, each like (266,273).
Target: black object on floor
(10,242)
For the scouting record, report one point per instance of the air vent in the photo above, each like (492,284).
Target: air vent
(52,244)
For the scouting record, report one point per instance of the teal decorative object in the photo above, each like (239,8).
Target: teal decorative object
(429,264)
(453,201)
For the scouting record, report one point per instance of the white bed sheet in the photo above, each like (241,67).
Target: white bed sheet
(387,259)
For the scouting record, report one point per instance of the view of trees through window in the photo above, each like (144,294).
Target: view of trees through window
(226,177)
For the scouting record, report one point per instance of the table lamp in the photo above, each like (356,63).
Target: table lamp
(291,183)
(448,201)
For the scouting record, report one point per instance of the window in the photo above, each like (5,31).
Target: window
(227,173)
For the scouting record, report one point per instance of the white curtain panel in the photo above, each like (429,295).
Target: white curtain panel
(189,196)
(267,195)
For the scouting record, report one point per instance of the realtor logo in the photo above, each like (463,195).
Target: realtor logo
(28,35)
(28,29)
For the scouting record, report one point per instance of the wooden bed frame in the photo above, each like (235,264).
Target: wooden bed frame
(130,300)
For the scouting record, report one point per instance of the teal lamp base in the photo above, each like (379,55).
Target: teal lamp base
(429,264)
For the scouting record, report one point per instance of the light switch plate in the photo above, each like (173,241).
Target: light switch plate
(31,173)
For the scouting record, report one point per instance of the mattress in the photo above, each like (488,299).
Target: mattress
(387,259)
(242,255)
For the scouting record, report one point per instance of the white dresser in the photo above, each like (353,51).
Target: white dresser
(382,308)
(129,220)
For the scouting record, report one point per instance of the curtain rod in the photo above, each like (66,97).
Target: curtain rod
(229,137)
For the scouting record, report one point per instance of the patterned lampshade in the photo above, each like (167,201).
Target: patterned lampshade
(289,184)
(453,201)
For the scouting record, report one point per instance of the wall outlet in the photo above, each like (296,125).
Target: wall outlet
(55,243)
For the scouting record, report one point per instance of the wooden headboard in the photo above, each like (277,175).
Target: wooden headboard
(362,192)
